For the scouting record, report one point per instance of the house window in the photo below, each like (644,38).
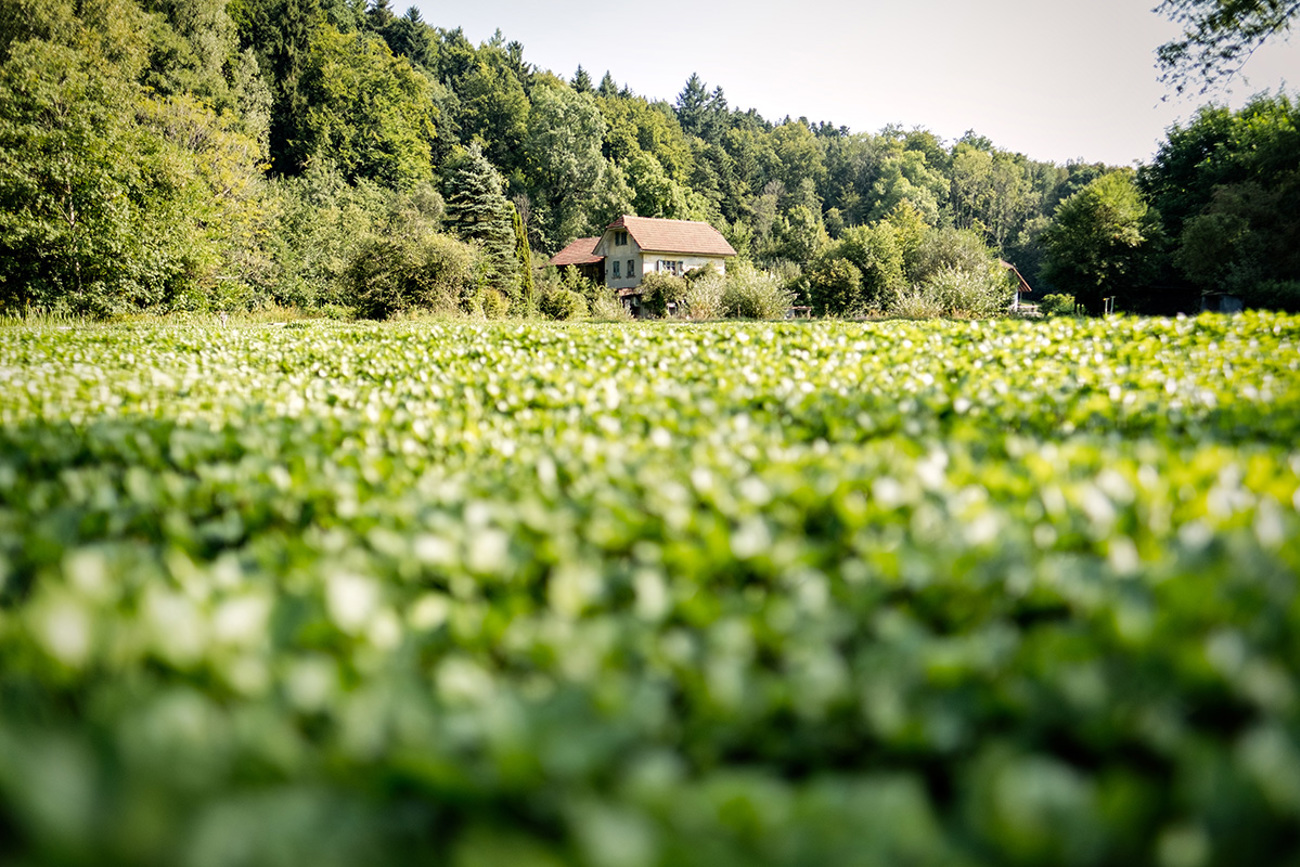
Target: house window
(631,267)
(672,267)
(620,239)
(616,264)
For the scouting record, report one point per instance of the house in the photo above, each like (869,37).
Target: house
(1221,302)
(1022,288)
(579,254)
(634,246)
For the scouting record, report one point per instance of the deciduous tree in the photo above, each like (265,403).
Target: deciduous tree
(1095,238)
(367,110)
(565,164)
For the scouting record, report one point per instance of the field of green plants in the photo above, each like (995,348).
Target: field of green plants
(965,593)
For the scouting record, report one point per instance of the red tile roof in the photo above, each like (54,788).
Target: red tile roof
(579,252)
(674,236)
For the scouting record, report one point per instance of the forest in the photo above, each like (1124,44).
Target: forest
(336,156)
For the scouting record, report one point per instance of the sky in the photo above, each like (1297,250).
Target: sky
(1055,80)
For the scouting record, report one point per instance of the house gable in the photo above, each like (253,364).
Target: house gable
(634,246)
(687,237)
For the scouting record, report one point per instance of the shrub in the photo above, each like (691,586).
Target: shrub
(751,294)
(1274,295)
(861,270)
(704,297)
(574,281)
(985,291)
(608,308)
(337,312)
(915,303)
(835,285)
(563,305)
(955,292)
(948,248)
(660,290)
(1056,305)
(495,304)
(397,274)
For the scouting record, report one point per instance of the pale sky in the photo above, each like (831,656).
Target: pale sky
(1053,79)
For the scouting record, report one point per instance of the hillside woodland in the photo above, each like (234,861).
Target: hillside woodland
(334,155)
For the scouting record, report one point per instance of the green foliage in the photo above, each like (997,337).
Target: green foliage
(916,303)
(112,200)
(754,294)
(607,307)
(194,51)
(802,235)
(701,113)
(479,212)
(655,194)
(1095,239)
(563,304)
(281,35)
(1218,37)
(1057,305)
(948,249)
(66,178)
(634,126)
(391,275)
(906,175)
(367,111)
(108,30)
(1273,295)
(992,192)
(911,231)
(527,303)
(836,286)
(322,223)
(495,305)
(1224,186)
(773,594)
(581,80)
(572,279)
(563,147)
(660,290)
(959,292)
(863,269)
(705,297)
(493,110)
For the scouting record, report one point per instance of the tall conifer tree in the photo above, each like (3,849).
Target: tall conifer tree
(479,212)
(524,253)
(581,80)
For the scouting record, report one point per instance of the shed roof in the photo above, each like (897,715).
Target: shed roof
(579,252)
(674,236)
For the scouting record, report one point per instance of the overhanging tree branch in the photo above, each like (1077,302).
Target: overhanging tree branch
(1219,37)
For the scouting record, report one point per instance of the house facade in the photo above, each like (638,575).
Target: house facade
(635,246)
(632,247)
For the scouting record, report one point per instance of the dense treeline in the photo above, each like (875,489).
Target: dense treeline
(200,154)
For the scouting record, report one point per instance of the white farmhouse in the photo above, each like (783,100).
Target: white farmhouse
(635,246)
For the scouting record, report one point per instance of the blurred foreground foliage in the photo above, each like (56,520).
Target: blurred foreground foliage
(963,593)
